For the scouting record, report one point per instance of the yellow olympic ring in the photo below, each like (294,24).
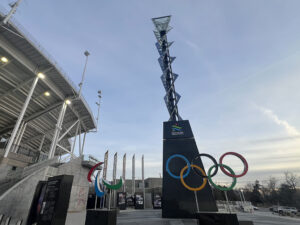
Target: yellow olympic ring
(191,188)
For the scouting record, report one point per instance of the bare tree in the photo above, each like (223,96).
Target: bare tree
(291,179)
(272,183)
(249,186)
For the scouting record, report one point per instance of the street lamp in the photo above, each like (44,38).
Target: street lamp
(98,104)
(86,53)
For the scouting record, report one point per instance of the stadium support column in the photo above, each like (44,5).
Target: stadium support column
(83,142)
(74,142)
(19,139)
(14,148)
(42,143)
(57,130)
(20,118)
(18,133)
(80,140)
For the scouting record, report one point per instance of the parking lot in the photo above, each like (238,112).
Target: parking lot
(153,217)
(267,218)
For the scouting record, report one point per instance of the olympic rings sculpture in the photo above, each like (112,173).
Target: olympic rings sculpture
(207,177)
(100,183)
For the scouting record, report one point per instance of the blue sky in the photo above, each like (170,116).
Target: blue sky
(238,66)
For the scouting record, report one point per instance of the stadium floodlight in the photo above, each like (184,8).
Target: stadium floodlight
(68,102)
(4,59)
(41,75)
(47,93)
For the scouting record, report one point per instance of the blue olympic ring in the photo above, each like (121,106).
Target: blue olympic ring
(98,190)
(185,159)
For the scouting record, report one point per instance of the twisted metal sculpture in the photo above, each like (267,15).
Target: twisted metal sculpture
(165,60)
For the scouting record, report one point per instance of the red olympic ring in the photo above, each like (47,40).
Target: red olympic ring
(241,158)
(92,170)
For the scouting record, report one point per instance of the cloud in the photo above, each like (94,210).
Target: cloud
(192,45)
(289,128)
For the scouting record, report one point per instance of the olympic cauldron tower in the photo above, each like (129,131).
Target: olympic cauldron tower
(178,138)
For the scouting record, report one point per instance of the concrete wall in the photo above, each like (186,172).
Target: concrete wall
(15,159)
(148,201)
(79,193)
(16,203)
(150,183)
(9,175)
(153,182)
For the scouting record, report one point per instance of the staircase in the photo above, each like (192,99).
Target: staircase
(20,173)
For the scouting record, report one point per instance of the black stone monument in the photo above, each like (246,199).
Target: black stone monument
(217,219)
(51,201)
(101,217)
(177,201)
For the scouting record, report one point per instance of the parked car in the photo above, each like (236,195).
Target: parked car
(285,210)
(291,210)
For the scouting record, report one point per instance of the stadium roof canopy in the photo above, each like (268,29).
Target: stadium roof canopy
(26,58)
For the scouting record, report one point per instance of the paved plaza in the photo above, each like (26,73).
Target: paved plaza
(153,217)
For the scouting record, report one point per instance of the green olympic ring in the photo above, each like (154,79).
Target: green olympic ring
(114,187)
(217,186)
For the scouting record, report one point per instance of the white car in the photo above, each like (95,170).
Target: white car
(285,210)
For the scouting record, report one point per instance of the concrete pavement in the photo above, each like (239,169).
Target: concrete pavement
(153,217)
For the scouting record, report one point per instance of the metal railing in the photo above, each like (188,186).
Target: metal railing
(234,206)
(26,152)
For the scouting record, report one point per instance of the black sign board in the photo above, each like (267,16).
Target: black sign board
(121,200)
(51,201)
(139,201)
(156,201)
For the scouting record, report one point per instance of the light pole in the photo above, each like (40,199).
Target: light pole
(143,181)
(14,7)
(240,194)
(98,104)
(243,195)
(86,53)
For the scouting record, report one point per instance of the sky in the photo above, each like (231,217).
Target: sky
(238,66)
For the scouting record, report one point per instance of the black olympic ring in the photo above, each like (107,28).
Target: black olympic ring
(212,159)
